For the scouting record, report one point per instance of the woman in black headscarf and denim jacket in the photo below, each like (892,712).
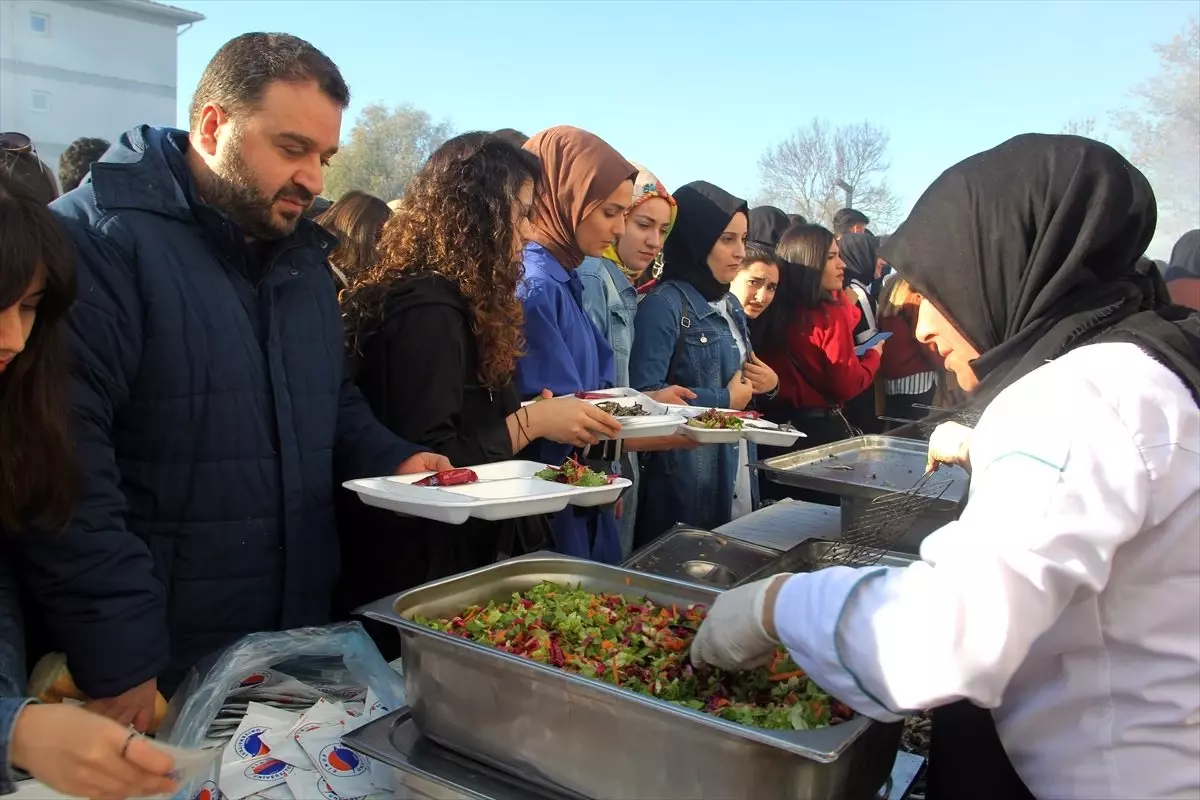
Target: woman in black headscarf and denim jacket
(1064,599)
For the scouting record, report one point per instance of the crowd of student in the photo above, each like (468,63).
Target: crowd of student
(189,368)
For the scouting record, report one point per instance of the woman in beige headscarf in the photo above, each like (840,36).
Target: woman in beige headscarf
(579,211)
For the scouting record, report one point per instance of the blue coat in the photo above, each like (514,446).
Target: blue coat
(12,663)
(690,486)
(215,421)
(565,353)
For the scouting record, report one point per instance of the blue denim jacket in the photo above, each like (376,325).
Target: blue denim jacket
(611,301)
(12,666)
(691,486)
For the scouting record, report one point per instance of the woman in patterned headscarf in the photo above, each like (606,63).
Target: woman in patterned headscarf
(610,298)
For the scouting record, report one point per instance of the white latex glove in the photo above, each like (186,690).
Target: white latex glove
(732,635)
(950,444)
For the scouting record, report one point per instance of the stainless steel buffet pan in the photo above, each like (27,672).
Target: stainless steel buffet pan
(699,556)
(566,732)
(865,466)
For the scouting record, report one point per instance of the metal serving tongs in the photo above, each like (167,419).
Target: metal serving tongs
(884,521)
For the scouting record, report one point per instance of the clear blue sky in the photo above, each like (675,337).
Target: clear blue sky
(697,90)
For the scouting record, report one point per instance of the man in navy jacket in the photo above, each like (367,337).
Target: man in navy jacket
(215,416)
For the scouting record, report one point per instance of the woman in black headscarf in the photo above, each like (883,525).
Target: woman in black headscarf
(768,224)
(1064,599)
(691,331)
(1183,273)
(864,280)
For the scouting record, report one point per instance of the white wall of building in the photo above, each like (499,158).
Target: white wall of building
(71,68)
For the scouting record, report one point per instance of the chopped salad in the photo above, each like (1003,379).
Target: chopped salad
(716,420)
(643,647)
(574,474)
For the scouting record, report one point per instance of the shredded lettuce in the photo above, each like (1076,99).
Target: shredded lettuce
(643,647)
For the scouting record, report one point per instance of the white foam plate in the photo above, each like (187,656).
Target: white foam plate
(711,435)
(761,431)
(659,421)
(505,490)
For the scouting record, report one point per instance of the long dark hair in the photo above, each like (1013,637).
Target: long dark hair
(38,471)
(801,253)
(458,223)
(356,219)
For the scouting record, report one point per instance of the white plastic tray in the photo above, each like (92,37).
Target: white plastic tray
(660,420)
(506,489)
(759,431)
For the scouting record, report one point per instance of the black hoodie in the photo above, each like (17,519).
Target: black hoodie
(418,371)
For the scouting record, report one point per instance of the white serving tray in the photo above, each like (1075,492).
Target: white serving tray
(505,490)
(660,421)
(759,431)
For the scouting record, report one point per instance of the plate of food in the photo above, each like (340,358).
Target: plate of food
(504,490)
(762,431)
(640,415)
(714,426)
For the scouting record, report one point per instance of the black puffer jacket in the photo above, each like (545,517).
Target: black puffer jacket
(215,421)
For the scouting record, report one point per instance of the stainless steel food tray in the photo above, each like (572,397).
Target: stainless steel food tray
(806,556)
(864,467)
(699,556)
(434,771)
(565,732)
(425,770)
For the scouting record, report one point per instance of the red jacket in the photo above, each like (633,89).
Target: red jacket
(822,340)
(903,355)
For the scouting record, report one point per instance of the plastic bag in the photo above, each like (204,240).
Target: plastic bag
(334,653)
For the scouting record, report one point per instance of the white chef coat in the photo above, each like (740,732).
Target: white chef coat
(1066,598)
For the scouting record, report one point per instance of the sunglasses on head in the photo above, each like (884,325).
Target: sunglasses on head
(16,143)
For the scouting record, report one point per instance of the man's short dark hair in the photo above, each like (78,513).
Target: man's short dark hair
(847,218)
(239,73)
(77,159)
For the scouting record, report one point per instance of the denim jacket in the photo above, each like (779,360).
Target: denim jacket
(12,666)
(611,301)
(691,486)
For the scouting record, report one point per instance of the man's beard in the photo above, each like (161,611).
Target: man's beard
(231,187)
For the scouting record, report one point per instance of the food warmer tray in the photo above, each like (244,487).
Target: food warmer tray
(864,468)
(699,556)
(557,730)
(424,769)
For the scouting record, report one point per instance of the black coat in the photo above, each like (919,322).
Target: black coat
(215,419)
(418,371)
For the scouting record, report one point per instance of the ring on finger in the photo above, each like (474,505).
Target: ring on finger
(133,734)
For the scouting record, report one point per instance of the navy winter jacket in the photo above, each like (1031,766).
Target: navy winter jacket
(215,419)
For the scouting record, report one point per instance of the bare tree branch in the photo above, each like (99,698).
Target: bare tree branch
(801,173)
(1163,133)
(385,150)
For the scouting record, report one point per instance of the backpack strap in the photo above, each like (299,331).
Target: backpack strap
(685,322)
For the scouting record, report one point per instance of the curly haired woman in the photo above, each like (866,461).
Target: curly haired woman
(435,332)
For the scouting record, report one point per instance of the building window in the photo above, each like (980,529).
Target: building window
(39,101)
(39,23)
